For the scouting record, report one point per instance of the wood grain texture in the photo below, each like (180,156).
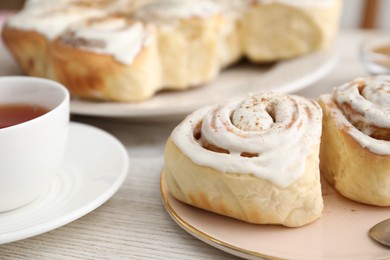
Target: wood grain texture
(134,224)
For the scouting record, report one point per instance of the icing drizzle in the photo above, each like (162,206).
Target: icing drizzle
(267,135)
(363,107)
(118,36)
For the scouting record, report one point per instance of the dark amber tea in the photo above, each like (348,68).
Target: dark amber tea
(13,114)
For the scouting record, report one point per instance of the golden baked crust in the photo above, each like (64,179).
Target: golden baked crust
(278,31)
(356,172)
(188,50)
(230,43)
(92,75)
(29,49)
(242,196)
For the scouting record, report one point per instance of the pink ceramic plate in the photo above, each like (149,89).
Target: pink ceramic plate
(341,233)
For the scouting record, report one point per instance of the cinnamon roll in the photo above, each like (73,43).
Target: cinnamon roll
(28,33)
(188,38)
(254,160)
(281,29)
(194,40)
(109,58)
(355,148)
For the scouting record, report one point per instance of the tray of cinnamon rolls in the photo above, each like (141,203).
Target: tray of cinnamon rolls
(132,57)
(238,173)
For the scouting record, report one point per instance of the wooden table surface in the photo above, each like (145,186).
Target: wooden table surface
(134,224)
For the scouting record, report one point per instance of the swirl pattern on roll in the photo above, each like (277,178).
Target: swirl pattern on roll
(363,108)
(268,135)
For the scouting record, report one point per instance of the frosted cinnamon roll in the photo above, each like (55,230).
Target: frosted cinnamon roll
(28,33)
(254,160)
(355,148)
(189,34)
(109,58)
(281,29)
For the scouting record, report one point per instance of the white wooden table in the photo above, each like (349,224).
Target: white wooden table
(133,224)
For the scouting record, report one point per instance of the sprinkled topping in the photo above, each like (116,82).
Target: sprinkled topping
(268,135)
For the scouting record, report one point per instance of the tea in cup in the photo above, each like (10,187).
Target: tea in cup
(34,121)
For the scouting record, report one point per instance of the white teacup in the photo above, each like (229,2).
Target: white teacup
(31,152)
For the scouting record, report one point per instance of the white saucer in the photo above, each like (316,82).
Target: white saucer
(95,166)
(341,232)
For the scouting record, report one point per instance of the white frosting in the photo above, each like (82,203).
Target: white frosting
(50,20)
(167,10)
(280,147)
(243,120)
(118,37)
(371,105)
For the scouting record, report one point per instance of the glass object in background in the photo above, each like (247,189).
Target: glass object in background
(375,54)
